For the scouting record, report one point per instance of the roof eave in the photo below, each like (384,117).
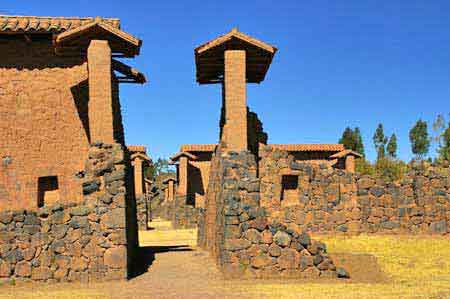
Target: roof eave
(134,44)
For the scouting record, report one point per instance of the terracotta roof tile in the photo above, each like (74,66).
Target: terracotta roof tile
(177,156)
(234,33)
(308,147)
(345,153)
(287,147)
(137,148)
(35,24)
(142,156)
(209,57)
(166,181)
(198,147)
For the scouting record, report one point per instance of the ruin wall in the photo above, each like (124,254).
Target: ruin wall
(198,176)
(142,211)
(243,237)
(321,199)
(44,121)
(181,214)
(88,241)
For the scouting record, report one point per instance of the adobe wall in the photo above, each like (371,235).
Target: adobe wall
(198,177)
(92,240)
(243,237)
(327,200)
(43,121)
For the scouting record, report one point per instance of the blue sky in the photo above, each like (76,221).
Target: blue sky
(340,63)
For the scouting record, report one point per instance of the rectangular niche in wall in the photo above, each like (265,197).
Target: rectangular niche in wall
(289,190)
(48,190)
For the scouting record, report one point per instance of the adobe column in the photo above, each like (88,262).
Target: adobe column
(171,190)
(350,163)
(100,92)
(235,128)
(182,175)
(166,194)
(138,177)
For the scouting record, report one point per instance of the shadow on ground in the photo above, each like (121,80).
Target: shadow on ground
(363,268)
(146,257)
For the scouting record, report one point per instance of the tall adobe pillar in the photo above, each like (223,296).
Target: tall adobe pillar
(103,41)
(235,101)
(183,158)
(100,92)
(233,60)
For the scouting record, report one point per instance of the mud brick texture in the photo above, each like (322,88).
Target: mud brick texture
(234,132)
(44,120)
(242,236)
(330,200)
(88,241)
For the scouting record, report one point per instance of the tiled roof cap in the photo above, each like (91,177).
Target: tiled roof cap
(198,148)
(287,147)
(36,24)
(178,155)
(166,181)
(137,148)
(345,153)
(209,57)
(309,147)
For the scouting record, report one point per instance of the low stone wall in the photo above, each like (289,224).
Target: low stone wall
(242,236)
(142,212)
(183,215)
(94,240)
(330,200)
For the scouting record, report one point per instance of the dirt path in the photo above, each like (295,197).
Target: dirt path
(179,268)
(183,273)
(173,267)
(176,269)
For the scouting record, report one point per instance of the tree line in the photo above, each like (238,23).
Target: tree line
(387,164)
(158,168)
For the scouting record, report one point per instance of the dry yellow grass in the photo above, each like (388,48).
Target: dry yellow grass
(418,267)
(162,235)
(65,291)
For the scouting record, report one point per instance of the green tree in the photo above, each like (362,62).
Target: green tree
(347,138)
(150,172)
(392,146)
(438,127)
(380,140)
(157,168)
(359,146)
(420,141)
(390,169)
(352,139)
(444,148)
(364,167)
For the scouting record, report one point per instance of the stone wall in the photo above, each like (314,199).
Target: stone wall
(44,123)
(198,175)
(178,212)
(329,200)
(242,235)
(182,214)
(255,131)
(142,212)
(92,240)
